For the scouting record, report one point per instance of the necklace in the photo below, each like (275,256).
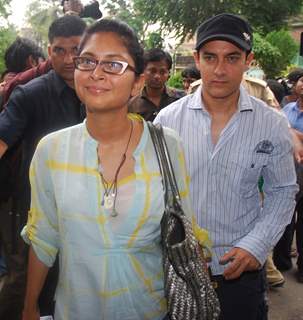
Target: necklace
(111,189)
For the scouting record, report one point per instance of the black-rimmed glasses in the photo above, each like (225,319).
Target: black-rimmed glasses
(112,67)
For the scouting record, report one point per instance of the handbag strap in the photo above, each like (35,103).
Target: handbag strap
(171,191)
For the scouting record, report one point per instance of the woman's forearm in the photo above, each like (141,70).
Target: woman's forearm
(36,274)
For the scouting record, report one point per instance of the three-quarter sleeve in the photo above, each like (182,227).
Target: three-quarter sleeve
(41,230)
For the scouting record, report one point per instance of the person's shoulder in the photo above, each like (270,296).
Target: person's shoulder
(62,136)
(289,106)
(175,93)
(254,81)
(178,105)
(37,85)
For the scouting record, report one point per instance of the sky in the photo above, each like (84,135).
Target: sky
(18,11)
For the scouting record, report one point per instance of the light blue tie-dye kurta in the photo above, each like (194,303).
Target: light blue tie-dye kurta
(110,267)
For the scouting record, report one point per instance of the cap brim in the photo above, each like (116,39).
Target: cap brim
(236,41)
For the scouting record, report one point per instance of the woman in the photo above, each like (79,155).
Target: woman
(97,195)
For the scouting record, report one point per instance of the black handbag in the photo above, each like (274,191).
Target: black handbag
(187,286)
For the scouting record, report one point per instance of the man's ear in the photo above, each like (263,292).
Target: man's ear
(138,85)
(249,59)
(197,59)
(49,50)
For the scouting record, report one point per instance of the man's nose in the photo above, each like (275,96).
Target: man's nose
(68,57)
(220,67)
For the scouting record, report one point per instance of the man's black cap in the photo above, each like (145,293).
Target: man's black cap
(227,27)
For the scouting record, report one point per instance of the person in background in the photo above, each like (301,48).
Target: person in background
(41,106)
(291,80)
(107,229)
(189,75)
(155,94)
(232,139)
(282,251)
(75,7)
(21,55)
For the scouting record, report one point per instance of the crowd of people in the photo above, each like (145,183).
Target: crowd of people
(81,195)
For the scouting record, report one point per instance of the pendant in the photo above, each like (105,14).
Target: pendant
(108,201)
(114,213)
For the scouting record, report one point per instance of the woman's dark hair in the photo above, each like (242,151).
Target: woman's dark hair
(155,55)
(127,35)
(19,51)
(191,72)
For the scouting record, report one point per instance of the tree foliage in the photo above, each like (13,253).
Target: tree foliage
(7,36)
(39,15)
(5,8)
(154,40)
(184,16)
(274,52)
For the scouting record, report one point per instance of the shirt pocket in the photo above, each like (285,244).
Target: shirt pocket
(251,170)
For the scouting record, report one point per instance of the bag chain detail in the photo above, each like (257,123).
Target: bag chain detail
(187,286)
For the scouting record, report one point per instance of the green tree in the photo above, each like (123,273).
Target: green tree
(7,36)
(274,52)
(39,15)
(154,40)
(184,16)
(125,11)
(5,8)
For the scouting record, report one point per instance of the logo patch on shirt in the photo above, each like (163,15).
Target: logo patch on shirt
(264,146)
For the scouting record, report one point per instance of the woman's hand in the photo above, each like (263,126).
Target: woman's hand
(31,314)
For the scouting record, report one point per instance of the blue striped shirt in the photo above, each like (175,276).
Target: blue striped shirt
(224,178)
(294,115)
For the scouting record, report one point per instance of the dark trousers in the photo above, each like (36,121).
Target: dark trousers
(281,253)
(242,298)
(12,293)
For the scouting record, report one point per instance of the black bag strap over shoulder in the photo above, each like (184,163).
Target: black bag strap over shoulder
(172,195)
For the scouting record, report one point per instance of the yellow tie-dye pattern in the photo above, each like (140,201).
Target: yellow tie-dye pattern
(142,219)
(148,283)
(55,165)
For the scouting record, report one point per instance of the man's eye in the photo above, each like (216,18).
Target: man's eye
(75,50)
(209,58)
(232,59)
(60,51)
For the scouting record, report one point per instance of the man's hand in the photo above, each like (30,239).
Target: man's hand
(31,314)
(239,261)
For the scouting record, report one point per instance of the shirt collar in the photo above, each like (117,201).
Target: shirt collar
(59,84)
(165,92)
(244,103)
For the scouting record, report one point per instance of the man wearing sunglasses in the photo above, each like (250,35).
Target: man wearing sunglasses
(43,105)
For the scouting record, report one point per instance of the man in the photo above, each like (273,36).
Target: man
(21,55)
(282,251)
(189,75)
(232,139)
(45,104)
(155,95)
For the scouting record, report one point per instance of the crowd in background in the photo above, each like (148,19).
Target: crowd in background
(40,95)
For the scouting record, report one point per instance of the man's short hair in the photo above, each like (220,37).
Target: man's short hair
(295,75)
(191,72)
(155,55)
(66,26)
(19,51)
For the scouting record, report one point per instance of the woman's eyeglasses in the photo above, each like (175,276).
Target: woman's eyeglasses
(112,67)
